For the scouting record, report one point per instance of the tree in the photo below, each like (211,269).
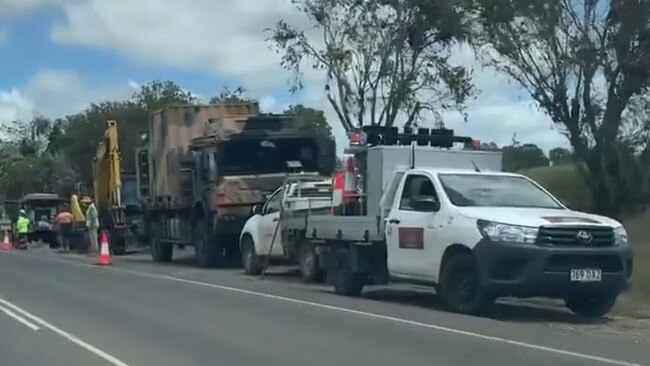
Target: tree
(157,94)
(518,157)
(239,95)
(310,120)
(489,146)
(30,136)
(381,59)
(582,62)
(81,132)
(560,156)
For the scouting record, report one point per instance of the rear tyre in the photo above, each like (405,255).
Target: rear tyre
(461,288)
(161,252)
(593,306)
(308,261)
(345,281)
(250,260)
(119,248)
(209,252)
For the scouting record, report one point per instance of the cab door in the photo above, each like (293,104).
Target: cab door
(270,220)
(411,228)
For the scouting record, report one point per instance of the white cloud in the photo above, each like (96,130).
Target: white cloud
(223,37)
(56,93)
(12,7)
(133,84)
(226,38)
(13,106)
(269,104)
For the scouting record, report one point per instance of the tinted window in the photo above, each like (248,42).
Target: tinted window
(273,204)
(415,185)
(486,190)
(260,156)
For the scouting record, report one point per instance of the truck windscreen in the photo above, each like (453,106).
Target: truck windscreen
(267,156)
(129,191)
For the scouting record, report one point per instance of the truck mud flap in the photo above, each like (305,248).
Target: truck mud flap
(360,258)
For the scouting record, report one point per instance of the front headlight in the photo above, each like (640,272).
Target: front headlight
(620,236)
(507,233)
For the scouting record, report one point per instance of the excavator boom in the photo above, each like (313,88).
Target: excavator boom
(107,176)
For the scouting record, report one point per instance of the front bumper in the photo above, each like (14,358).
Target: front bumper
(526,270)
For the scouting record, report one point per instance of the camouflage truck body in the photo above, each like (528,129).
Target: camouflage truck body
(207,177)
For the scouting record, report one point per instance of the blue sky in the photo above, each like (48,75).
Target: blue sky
(28,48)
(59,55)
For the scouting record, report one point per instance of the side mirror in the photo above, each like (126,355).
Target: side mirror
(425,203)
(257,209)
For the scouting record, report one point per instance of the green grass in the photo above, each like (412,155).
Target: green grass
(568,185)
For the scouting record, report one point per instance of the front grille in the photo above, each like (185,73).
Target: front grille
(570,236)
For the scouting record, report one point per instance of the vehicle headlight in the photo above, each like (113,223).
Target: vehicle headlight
(620,236)
(507,233)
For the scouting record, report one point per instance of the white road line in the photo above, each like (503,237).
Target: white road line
(20,319)
(361,313)
(89,347)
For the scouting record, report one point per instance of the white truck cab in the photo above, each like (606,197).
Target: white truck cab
(480,235)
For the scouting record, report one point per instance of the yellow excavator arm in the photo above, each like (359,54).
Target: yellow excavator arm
(107,179)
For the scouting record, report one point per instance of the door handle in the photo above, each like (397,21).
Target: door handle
(393,221)
(276,219)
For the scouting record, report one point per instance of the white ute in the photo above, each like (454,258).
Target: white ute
(473,234)
(261,236)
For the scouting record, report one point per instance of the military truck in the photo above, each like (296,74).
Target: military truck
(206,166)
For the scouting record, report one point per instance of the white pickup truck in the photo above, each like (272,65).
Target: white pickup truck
(474,235)
(261,236)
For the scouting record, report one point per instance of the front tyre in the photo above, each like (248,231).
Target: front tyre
(461,288)
(161,252)
(250,260)
(592,306)
(209,252)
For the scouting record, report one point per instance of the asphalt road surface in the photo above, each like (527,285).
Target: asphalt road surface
(62,310)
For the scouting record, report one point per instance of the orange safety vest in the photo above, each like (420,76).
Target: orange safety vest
(64,217)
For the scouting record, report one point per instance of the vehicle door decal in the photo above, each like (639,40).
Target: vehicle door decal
(411,237)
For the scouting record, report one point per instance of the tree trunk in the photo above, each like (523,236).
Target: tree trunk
(603,181)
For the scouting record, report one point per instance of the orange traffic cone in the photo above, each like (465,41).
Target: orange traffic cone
(104,258)
(6,244)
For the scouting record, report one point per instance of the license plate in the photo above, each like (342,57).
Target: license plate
(586,275)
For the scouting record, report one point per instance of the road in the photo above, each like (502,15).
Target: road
(63,310)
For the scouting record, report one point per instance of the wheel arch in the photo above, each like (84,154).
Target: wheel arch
(451,250)
(251,229)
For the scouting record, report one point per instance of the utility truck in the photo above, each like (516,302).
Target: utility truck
(429,214)
(262,241)
(205,166)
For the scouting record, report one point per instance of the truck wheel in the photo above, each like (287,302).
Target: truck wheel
(209,252)
(160,252)
(591,306)
(345,281)
(308,261)
(461,288)
(250,260)
(119,248)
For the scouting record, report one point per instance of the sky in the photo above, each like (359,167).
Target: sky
(58,56)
